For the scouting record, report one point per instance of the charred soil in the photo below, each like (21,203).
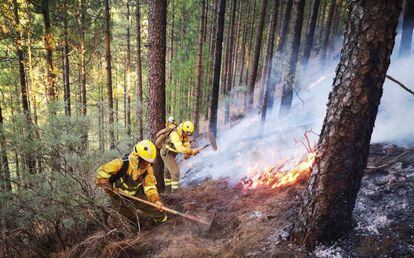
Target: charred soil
(257,223)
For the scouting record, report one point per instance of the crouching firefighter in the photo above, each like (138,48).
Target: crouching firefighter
(133,175)
(174,141)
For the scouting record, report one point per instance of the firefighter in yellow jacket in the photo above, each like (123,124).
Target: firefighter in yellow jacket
(133,175)
(177,142)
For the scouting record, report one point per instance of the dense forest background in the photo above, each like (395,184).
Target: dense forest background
(75,88)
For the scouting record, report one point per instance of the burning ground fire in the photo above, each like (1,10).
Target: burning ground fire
(278,176)
(283,173)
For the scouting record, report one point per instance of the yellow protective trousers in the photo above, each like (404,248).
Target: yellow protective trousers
(171,169)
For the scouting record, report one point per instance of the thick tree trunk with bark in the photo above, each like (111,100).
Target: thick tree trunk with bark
(217,66)
(255,61)
(310,35)
(157,23)
(199,68)
(109,75)
(287,94)
(353,105)
(49,46)
(229,62)
(407,29)
(29,157)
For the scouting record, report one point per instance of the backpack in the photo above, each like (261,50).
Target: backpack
(162,136)
(122,172)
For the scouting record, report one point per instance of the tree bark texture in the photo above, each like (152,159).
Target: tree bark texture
(66,62)
(4,162)
(83,68)
(229,61)
(140,124)
(49,45)
(269,55)
(287,93)
(29,157)
(256,55)
(128,73)
(407,29)
(343,145)
(199,68)
(311,33)
(269,51)
(109,75)
(217,66)
(325,42)
(157,23)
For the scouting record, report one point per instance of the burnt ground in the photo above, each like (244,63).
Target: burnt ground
(256,223)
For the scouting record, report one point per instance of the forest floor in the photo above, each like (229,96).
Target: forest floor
(256,223)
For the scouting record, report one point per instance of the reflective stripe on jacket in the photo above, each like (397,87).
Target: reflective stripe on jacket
(178,143)
(134,179)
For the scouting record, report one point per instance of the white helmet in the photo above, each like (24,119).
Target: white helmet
(171,119)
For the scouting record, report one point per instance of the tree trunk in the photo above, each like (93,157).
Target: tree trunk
(321,24)
(49,46)
(249,51)
(29,158)
(335,25)
(4,161)
(325,42)
(213,31)
(171,47)
(140,125)
(310,34)
(407,29)
(199,68)
(285,29)
(83,70)
(287,93)
(236,48)
(66,61)
(157,23)
(217,66)
(279,64)
(269,54)
(229,62)
(128,74)
(256,55)
(109,75)
(353,105)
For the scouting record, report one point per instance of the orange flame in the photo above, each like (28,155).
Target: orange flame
(276,177)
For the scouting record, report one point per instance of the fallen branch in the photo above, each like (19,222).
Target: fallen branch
(400,84)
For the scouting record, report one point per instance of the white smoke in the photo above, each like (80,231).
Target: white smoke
(243,150)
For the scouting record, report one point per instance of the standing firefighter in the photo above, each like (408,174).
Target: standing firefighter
(174,141)
(133,175)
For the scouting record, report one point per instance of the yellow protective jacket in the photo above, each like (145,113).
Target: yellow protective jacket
(178,143)
(110,169)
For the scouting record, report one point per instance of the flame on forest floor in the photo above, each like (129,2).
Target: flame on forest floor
(278,176)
